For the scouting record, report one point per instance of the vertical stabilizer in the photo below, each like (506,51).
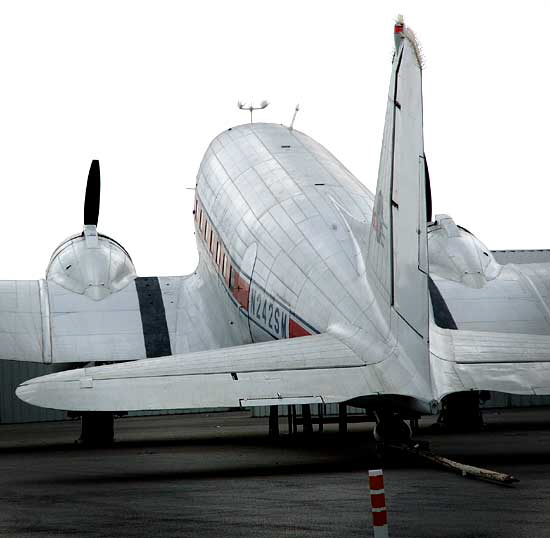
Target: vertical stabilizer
(397,260)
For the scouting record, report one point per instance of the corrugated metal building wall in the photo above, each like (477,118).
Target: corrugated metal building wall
(521,256)
(12,409)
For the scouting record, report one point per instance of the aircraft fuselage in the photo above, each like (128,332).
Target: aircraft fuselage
(270,232)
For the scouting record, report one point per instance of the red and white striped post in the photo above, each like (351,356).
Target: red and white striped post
(378,502)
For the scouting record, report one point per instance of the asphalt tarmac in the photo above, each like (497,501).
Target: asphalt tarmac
(219,475)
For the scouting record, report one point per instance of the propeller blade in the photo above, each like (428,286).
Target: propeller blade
(93,194)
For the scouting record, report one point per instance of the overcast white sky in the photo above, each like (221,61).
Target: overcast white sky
(145,86)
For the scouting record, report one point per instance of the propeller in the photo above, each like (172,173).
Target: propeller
(93,194)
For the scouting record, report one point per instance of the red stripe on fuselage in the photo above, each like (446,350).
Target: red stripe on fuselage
(238,285)
(240,290)
(295,330)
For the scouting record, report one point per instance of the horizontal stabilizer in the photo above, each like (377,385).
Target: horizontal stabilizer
(317,368)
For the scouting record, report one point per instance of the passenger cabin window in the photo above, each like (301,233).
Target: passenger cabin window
(217,252)
(200,221)
(231,278)
(224,264)
(210,240)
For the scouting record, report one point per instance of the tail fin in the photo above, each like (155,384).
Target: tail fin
(397,260)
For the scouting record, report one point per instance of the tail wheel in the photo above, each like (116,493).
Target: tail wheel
(392,429)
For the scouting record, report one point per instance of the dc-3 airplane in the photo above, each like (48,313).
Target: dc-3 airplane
(309,289)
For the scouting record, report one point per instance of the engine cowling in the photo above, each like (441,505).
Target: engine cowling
(455,254)
(91,264)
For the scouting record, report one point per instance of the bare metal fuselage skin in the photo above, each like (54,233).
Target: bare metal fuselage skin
(271,234)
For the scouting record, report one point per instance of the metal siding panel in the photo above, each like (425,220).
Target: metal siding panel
(13,410)
(521,256)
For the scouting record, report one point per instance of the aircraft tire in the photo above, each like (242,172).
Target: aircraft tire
(97,429)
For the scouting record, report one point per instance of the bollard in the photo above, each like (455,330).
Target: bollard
(378,502)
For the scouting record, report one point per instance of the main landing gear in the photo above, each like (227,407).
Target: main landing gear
(461,411)
(97,429)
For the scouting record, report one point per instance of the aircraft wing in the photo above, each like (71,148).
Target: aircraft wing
(311,369)
(92,307)
(41,321)
(464,360)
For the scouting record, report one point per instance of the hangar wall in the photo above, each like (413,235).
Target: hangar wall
(12,409)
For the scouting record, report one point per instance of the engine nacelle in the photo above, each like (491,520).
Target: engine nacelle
(456,254)
(91,264)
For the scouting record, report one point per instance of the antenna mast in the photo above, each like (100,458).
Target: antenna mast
(294,117)
(250,107)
